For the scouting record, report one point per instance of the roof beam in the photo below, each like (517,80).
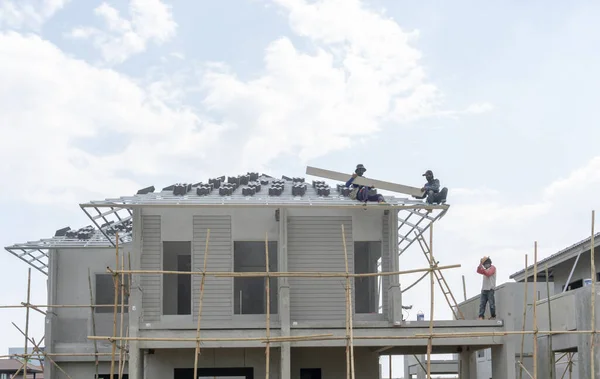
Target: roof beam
(340,176)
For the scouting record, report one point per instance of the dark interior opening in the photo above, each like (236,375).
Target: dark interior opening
(188,373)
(310,373)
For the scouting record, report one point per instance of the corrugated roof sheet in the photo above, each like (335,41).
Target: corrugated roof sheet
(316,193)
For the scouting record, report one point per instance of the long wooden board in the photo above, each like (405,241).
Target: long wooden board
(340,176)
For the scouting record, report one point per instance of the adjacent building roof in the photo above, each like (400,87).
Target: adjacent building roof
(561,256)
(12,365)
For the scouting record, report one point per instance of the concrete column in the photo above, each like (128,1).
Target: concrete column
(284,296)
(503,360)
(395,304)
(465,363)
(134,366)
(545,358)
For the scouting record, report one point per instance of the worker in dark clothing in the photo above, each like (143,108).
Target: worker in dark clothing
(431,190)
(362,193)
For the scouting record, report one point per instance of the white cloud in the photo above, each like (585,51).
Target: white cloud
(363,72)
(28,13)
(150,21)
(56,109)
(88,129)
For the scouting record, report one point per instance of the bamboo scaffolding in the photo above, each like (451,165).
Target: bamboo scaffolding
(524,319)
(551,352)
(268,295)
(535,299)
(268,339)
(93,316)
(27,320)
(197,352)
(349,309)
(464,288)
(593,301)
(293,274)
(116,285)
(121,349)
(432,291)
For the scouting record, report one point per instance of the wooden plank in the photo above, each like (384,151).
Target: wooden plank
(334,175)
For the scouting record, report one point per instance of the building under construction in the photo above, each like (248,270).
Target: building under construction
(247,277)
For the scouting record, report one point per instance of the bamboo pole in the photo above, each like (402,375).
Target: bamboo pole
(128,293)
(551,352)
(416,282)
(535,299)
(200,305)
(390,365)
(349,305)
(121,349)
(295,274)
(593,301)
(348,374)
(97,362)
(524,317)
(464,288)
(27,320)
(268,294)
(432,290)
(116,294)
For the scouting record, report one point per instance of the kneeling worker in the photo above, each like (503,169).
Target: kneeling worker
(362,193)
(431,190)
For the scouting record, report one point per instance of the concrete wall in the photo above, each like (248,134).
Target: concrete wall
(84,370)
(70,279)
(314,244)
(332,362)
(509,309)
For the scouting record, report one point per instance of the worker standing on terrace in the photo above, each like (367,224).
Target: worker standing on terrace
(488,286)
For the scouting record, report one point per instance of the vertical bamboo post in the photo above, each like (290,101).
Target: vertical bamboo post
(390,365)
(593,301)
(551,352)
(535,298)
(349,308)
(27,322)
(268,294)
(432,288)
(96,361)
(116,293)
(200,305)
(464,288)
(524,317)
(122,342)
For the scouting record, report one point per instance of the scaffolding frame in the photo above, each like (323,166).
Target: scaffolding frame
(121,342)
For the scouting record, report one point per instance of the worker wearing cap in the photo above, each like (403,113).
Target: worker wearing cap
(431,190)
(488,286)
(362,193)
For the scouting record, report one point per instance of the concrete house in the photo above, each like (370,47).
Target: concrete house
(167,230)
(566,304)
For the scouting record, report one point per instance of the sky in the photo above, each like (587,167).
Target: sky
(101,98)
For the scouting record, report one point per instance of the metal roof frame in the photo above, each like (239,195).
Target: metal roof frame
(36,253)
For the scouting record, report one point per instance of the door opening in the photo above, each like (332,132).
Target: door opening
(218,373)
(310,373)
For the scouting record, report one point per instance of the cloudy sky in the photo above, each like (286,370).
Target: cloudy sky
(101,98)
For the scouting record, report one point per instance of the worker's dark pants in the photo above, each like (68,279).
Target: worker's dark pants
(487,295)
(437,198)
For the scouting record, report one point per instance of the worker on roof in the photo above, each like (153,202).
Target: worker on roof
(488,286)
(362,193)
(431,190)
